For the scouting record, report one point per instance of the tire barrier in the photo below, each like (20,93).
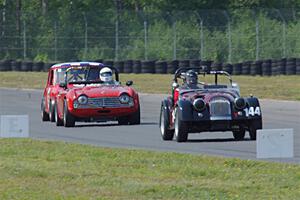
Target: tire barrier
(37,66)
(184,63)
(217,66)
(137,67)
(120,66)
(108,63)
(298,66)
(255,68)
(148,67)
(281,66)
(207,64)
(266,68)
(246,68)
(16,65)
(274,67)
(290,66)
(5,65)
(26,66)
(128,66)
(237,69)
(228,68)
(172,66)
(161,67)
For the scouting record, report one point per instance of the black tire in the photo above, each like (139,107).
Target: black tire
(184,63)
(181,132)
(16,65)
(68,120)
(38,66)
(123,120)
(246,68)
(135,118)
(148,67)
(166,133)
(44,114)
(137,67)
(119,65)
(161,67)
(252,133)
(239,134)
(58,121)
(228,68)
(172,66)
(237,69)
(51,111)
(128,66)
(5,65)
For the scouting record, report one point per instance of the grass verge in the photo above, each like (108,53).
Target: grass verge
(274,87)
(31,169)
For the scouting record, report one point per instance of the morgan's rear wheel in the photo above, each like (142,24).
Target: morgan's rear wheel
(239,134)
(181,133)
(51,111)
(166,133)
(45,115)
(69,120)
(58,121)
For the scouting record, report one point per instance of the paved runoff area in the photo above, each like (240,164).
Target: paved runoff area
(276,115)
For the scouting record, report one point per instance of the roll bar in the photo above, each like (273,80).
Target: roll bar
(202,70)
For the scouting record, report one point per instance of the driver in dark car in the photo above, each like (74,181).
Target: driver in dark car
(191,80)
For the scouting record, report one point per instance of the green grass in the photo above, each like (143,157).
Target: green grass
(274,87)
(31,169)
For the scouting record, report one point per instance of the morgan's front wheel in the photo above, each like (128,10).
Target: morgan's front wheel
(252,133)
(239,134)
(166,133)
(69,120)
(181,133)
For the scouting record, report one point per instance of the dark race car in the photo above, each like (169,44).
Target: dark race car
(197,107)
(88,92)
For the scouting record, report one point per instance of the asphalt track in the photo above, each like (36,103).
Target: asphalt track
(276,114)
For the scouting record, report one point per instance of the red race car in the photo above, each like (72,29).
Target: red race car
(197,107)
(89,92)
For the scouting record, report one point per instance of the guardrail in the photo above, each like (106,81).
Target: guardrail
(269,67)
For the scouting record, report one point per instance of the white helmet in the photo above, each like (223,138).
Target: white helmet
(106,74)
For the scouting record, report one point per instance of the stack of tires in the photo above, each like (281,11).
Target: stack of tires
(184,63)
(161,67)
(237,69)
(38,66)
(136,66)
(119,65)
(5,65)
(266,68)
(255,68)
(16,65)
(216,66)
(298,66)
(274,67)
(172,66)
(128,66)
(148,67)
(207,64)
(290,66)
(246,68)
(228,68)
(281,66)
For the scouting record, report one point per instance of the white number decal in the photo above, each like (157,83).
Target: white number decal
(252,112)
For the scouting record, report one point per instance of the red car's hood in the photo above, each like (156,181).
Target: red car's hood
(103,91)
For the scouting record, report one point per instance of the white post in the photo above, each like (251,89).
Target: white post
(24,40)
(174,41)
(117,40)
(201,41)
(85,37)
(257,39)
(145,40)
(55,41)
(229,43)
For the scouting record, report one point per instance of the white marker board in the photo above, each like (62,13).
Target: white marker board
(14,126)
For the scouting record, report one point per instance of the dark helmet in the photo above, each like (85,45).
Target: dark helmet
(191,77)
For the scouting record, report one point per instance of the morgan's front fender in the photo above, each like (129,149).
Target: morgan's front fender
(185,110)
(253,111)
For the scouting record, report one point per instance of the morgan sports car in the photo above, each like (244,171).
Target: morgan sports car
(88,92)
(197,107)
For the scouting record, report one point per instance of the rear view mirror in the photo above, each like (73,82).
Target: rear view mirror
(63,85)
(129,83)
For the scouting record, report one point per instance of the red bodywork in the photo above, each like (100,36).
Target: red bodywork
(54,94)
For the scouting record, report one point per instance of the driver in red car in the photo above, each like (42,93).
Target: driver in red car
(106,76)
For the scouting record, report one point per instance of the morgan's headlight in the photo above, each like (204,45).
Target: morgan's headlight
(199,105)
(239,103)
(124,98)
(82,99)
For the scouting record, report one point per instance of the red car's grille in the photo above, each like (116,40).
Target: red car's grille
(220,109)
(107,102)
